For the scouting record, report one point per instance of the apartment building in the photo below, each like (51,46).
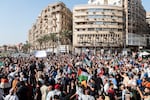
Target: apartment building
(148,28)
(98,24)
(148,18)
(135,23)
(54,18)
(109,23)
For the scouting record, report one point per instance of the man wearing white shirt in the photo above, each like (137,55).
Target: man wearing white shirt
(86,96)
(56,92)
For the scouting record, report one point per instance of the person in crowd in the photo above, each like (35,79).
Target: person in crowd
(86,95)
(92,87)
(30,90)
(15,82)
(1,94)
(101,97)
(53,93)
(5,85)
(71,95)
(32,72)
(44,90)
(125,78)
(111,92)
(21,90)
(146,94)
(11,96)
(75,77)
(37,92)
(106,86)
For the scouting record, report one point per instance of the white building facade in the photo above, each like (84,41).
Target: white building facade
(110,23)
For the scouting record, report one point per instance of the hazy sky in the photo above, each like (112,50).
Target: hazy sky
(17,17)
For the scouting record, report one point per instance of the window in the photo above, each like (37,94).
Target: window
(53,7)
(90,29)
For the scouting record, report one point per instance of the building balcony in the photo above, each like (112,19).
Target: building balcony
(98,26)
(99,13)
(56,9)
(98,19)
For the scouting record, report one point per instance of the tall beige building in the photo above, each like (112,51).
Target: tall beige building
(98,24)
(53,19)
(148,18)
(109,23)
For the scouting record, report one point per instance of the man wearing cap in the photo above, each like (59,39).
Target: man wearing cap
(56,91)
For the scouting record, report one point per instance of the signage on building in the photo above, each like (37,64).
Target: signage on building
(106,2)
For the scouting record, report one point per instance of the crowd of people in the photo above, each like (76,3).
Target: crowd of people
(82,76)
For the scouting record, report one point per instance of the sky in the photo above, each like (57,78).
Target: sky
(18,16)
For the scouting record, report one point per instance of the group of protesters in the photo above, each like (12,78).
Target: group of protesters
(84,76)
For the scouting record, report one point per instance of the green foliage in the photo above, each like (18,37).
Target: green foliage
(26,47)
(66,37)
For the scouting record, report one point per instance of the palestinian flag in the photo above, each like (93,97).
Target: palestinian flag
(82,74)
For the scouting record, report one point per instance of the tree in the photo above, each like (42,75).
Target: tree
(46,39)
(66,38)
(15,48)
(40,41)
(26,47)
(53,39)
(5,47)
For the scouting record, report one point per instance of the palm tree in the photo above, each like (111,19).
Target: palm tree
(66,38)
(15,48)
(26,47)
(53,39)
(46,39)
(40,41)
(5,47)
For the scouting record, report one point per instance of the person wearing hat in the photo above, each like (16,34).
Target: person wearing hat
(56,91)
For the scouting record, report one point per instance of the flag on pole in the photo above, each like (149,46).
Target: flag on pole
(82,74)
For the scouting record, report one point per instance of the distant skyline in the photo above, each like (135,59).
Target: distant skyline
(18,16)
